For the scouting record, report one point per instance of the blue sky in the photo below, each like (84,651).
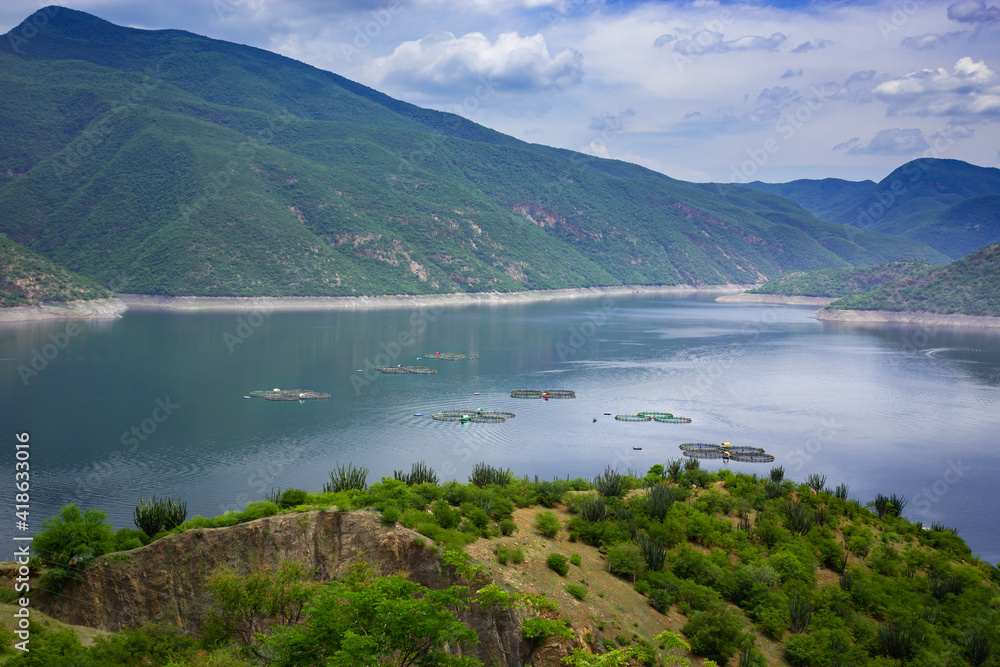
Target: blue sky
(703,90)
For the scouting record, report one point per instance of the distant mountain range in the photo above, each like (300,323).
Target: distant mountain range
(967,286)
(950,205)
(163,162)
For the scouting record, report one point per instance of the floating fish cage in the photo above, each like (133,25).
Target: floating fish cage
(450,356)
(289,395)
(493,413)
(632,418)
(699,446)
(401,370)
(473,417)
(542,393)
(742,453)
(672,420)
(655,415)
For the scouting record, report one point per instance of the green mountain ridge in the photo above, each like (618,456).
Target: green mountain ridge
(27,279)
(968,286)
(950,205)
(839,283)
(163,162)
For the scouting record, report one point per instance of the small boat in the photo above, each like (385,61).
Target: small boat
(475,393)
(418,414)
(637,448)
(246,397)
(607,413)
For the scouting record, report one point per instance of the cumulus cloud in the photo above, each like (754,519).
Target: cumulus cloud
(709,41)
(792,72)
(973,11)
(932,40)
(663,39)
(969,89)
(511,63)
(891,142)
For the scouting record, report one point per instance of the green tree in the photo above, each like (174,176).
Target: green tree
(547,523)
(246,605)
(66,541)
(368,620)
(716,634)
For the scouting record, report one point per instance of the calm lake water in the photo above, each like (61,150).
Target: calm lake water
(886,409)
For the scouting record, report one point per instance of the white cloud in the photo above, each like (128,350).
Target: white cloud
(892,142)
(973,11)
(932,40)
(510,63)
(708,41)
(968,89)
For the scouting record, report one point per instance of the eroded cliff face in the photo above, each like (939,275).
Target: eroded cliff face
(167,581)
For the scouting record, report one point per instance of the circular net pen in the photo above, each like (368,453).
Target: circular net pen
(672,420)
(290,395)
(744,449)
(632,418)
(472,417)
(706,454)
(699,446)
(450,356)
(558,393)
(655,415)
(753,457)
(525,393)
(482,413)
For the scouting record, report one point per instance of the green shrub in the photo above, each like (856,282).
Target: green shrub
(347,478)
(292,498)
(558,564)
(507,527)
(575,559)
(536,630)
(579,591)
(420,473)
(547,524)
(715,634)
(626,559)
(158,514)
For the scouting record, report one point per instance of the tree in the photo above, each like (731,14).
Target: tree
(368,620)
(67,540)
(716,634)
(619,657)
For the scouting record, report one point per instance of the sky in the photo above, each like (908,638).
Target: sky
(699,90)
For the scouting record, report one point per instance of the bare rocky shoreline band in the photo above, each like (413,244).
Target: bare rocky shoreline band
(776,298)
(923,319)
(113,308)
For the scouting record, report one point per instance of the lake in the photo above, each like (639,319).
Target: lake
(152,403)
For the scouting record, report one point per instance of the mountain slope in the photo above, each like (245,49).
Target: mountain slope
(27,279)
(838,283)
(164,162)
(968,286)
(948,204)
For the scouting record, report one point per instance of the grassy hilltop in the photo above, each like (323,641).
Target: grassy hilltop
(724,566)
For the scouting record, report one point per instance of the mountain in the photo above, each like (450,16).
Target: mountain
(950,205)
(164,162)
(838,283)
(27,278)
(968,286)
